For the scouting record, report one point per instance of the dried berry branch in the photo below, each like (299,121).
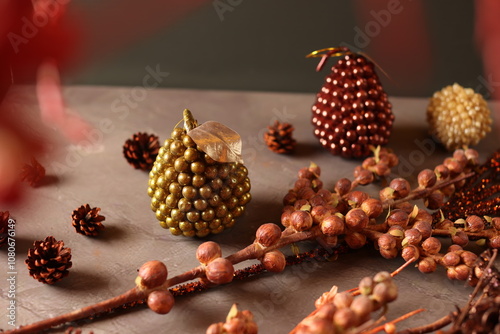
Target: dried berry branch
(343,217)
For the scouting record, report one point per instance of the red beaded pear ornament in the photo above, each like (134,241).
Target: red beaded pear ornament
(352,112)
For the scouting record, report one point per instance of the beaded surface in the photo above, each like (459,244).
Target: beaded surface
(458,117)
(352,111)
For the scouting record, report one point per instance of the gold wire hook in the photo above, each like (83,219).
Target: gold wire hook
(329,52)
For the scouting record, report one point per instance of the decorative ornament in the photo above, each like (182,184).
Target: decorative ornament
(479,196)
(279,139)
(48,261)
(238,322)
(198,183)
(458,117)
(87,221)
(352,112)
(32,174)
(141,150)
(5,221)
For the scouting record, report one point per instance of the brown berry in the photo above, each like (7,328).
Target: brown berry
(220,271)
(427,265)
(386,241)
(355,198)
(343,299)
(451,259)
(366,286)
(474,224)
(431,245)
(355,240)
(356,219)
(435,200)
(386,194)
(460,238)
(343,186)
(462,272)
(332,225)
(372,207)
(345,318)
(401,187)
(301,220)
(495,223)
(426,178)
(424,227)
(412,236)
(362,306)
(410,253)
(152,274)
(320,212)
(268,234)
(442,172)
(468,258)
(397,217)
(161,301)
(274,261)
(208,251)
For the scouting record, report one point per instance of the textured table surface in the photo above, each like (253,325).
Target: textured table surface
(106,266)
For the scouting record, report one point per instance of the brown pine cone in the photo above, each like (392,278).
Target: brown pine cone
(141,150)
(4,227)
(48,261)
(87,221)
(279,138)
(33,173)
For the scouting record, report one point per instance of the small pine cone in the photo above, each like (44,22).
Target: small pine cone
(458,117)
(48,261)
(279,138)
(32,174)
(4,227)
(87,221)
(141,150)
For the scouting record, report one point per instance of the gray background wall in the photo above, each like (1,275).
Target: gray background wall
(261,45)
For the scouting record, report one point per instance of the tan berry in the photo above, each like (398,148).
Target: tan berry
(427,265)
(301,220)
(274,261)
(268,234)
(372,207)
(401,187)
(152,274)
(431,245)
(356,219)
(355,240)
(208,251)
(397,217)
(451,259)
(219,271)
(410,253)
(474,223)
(161,301)
(343,186)
(426,178)
(332,225)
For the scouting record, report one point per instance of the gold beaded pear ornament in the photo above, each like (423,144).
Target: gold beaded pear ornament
(198,184)
(458,117)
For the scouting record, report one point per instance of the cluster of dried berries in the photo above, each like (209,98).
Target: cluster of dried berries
(350,216)
(237,322)
(279,138)
(87,220)
(345,312)
(458,117)
(5,220)
(352,111)
(141,150)
(191,193)
(377,166)
(32,174)
(48,261)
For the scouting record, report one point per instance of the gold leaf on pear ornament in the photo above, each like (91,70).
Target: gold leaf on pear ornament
(220,142)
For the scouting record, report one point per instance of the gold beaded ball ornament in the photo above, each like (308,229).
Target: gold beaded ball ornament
(458,117)
(198,184)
